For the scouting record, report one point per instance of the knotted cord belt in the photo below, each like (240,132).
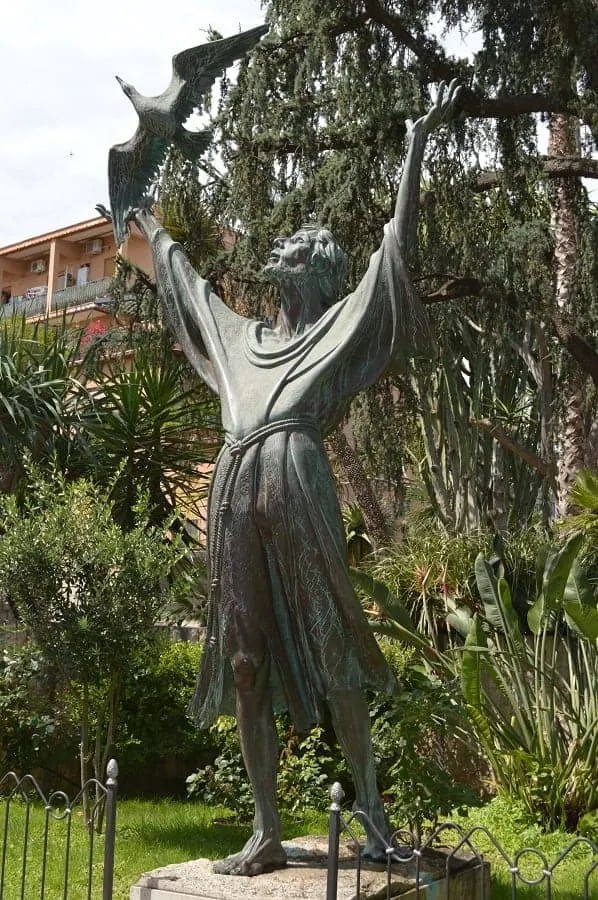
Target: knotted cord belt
(237,450)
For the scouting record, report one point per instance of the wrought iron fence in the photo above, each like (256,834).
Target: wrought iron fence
(37,846)
(431,867)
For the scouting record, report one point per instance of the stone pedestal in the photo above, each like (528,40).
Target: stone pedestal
(304,878)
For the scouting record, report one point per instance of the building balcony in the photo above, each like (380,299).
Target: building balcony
(67,298)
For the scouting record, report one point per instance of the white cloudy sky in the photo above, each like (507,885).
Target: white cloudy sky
(60,107)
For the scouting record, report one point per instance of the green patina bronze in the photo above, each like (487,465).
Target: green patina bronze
(285,628)
(132,166)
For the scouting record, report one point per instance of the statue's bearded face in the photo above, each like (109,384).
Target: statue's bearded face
(290,257)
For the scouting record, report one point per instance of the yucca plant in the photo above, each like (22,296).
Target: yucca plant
(529,682)
(152,432)
(39,399)
(356,535)
(533,697)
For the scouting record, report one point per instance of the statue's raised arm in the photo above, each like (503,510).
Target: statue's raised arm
(407,205)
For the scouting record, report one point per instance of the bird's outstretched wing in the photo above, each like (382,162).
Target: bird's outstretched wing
(194,71)
(131,168)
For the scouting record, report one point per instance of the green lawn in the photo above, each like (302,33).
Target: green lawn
(153,834)
(507,823)
(149,835)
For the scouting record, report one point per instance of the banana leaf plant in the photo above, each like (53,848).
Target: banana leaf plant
(529,684)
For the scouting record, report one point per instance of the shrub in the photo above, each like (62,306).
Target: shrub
(224,782)
(307,767)
(533,699)
(155,722)
(432,573)
(413,735)
(88,592)
(28,722)
(157,740)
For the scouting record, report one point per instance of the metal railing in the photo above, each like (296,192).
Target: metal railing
(407,858)
(76,295)
(37,838)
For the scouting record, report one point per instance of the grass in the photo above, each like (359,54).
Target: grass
(156,833)
(149,834)
(509,825)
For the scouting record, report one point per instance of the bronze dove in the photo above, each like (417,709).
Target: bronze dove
(133,165)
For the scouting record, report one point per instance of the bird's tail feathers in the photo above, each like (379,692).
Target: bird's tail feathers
(193,144)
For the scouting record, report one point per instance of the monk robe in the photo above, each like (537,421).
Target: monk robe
(276,544)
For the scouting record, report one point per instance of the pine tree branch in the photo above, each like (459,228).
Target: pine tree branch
(508,107)
(453,289)
(552,167)
(441,68)
(344,25)
(429,53)
(575,344)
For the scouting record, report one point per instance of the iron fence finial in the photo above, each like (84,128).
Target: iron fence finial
(336,795)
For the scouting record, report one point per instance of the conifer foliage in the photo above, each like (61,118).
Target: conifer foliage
(315,128)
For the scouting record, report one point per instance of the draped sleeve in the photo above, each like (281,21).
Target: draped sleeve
(383,323)
(201,322)
(375,329)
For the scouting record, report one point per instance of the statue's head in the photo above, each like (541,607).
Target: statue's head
(310,255)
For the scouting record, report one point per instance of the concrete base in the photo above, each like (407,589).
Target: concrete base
(304,878)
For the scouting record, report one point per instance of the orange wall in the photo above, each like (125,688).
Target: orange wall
(70,255)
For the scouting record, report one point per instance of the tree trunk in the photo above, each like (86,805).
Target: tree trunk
(355,474)
(84,753)
(571,439)
(105,745)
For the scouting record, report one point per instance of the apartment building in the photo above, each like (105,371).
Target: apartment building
(67,269)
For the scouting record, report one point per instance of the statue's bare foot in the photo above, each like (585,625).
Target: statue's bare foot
(378,836)
(375,851)
(260,854)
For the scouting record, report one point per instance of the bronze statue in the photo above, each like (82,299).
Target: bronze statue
(285,628)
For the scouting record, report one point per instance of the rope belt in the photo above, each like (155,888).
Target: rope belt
(237,450)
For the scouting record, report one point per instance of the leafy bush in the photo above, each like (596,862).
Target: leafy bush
(534,701)
(88,592)
(306,769)
(411,734)
(432,573)
(225,781)
(28,721)
(39,717)
(588,825)
(155,723)
(527,673)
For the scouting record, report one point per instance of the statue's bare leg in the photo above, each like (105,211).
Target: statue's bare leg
(351,722)
(263,852)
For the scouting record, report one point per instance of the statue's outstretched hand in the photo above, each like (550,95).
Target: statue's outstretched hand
(442,109)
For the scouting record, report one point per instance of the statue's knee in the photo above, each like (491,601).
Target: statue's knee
(244,672)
